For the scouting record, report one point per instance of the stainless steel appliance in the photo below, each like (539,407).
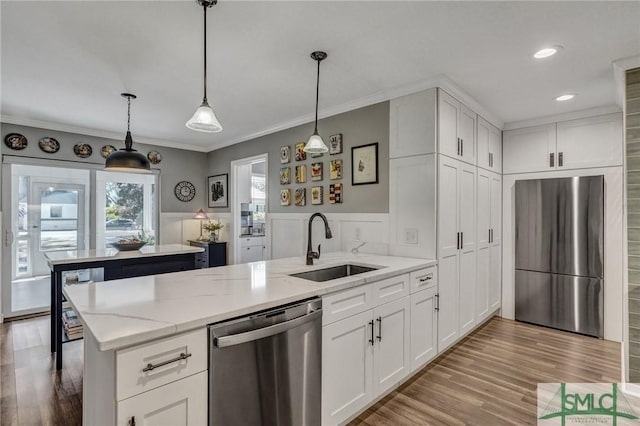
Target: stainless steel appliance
(246,221)
(559,253)
(265,369)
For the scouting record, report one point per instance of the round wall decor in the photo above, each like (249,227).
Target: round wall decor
(154,157)
(106,150)
(185,191)
(82,150)
(49,145)
(15,141)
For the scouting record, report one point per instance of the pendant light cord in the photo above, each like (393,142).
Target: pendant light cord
(317,96)
(204,8)
(128,113)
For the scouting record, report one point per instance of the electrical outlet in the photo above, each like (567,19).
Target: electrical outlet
(411,236)
(358,236)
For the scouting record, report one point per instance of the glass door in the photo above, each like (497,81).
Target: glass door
(47,211)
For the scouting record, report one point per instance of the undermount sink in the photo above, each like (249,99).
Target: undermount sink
(333,273)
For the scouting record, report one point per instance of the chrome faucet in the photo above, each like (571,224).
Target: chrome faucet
(327,233)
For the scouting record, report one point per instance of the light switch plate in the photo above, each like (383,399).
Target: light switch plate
(411,235)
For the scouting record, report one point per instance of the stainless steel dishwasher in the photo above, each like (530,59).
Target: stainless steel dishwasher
(265,369)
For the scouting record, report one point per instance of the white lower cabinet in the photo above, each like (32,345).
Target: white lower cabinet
(181,403)
(364,356)
(391,358)
(424,327)
(347,367)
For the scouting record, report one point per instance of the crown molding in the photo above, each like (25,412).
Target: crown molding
(574,115)
(98,133)
(381,96)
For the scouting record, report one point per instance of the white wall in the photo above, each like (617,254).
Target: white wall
(613,244)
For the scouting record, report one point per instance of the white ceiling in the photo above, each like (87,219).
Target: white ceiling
(66,62)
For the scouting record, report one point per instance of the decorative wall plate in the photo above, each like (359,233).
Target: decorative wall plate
(49,145)
(82,150)
(15,141)
(185,191)
(106,150)
(154,157)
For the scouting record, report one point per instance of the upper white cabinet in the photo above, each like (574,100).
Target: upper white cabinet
(585,143)
(456,129)
(489,143)
(531,149)
(590,142)
(412,125)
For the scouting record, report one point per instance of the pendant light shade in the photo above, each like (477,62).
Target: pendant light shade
(204,119)
(128,159)
(316,145)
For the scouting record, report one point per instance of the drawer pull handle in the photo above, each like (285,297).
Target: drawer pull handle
(180,357)
(427,278)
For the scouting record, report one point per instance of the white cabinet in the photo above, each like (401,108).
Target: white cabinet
(180,403)
(584,143)
(590,142)
(391,357)
(412,124)
(531,149)
(489,143)
(252,249)
(456,129)
(367,353)
(347,371)
(457,249)
(424,327)
(488,285)
(161,382)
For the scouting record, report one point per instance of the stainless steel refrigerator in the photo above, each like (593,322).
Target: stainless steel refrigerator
(560,253)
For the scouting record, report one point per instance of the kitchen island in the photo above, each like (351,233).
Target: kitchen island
(114,264)
(133,323)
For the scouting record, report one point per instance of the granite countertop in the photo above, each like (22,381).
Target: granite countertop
(94,255)
(125,312)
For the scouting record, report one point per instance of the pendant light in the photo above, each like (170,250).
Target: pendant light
(316,145)
(128,159)
(204,119)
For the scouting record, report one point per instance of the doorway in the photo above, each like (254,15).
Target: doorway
(47,212)
(249,208)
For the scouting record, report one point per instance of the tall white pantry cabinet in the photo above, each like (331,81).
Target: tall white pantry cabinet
(445,203)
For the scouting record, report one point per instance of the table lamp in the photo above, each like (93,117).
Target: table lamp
(202,216)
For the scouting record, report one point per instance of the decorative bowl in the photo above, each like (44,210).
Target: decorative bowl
(127,246)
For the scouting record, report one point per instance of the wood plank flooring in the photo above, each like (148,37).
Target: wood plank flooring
(488,379)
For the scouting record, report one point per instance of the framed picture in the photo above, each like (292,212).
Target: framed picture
(285,197)
(301,174)
(218,190)
(301,196)
(335,193)
(316,195)
(300,154)
(364,164)
(316,171)
(285,154)
(335,169)
(335,144)
(285,175)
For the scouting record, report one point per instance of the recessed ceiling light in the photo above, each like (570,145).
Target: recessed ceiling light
(546,52)
(564,97)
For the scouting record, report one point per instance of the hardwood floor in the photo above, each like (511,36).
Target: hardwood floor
(488,379)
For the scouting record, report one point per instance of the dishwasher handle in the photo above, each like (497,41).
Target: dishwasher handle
(261,333)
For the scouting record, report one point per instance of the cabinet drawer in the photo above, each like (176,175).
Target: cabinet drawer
(346,303)
(390,289)
(131,380)
(251,241)
(424,278)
